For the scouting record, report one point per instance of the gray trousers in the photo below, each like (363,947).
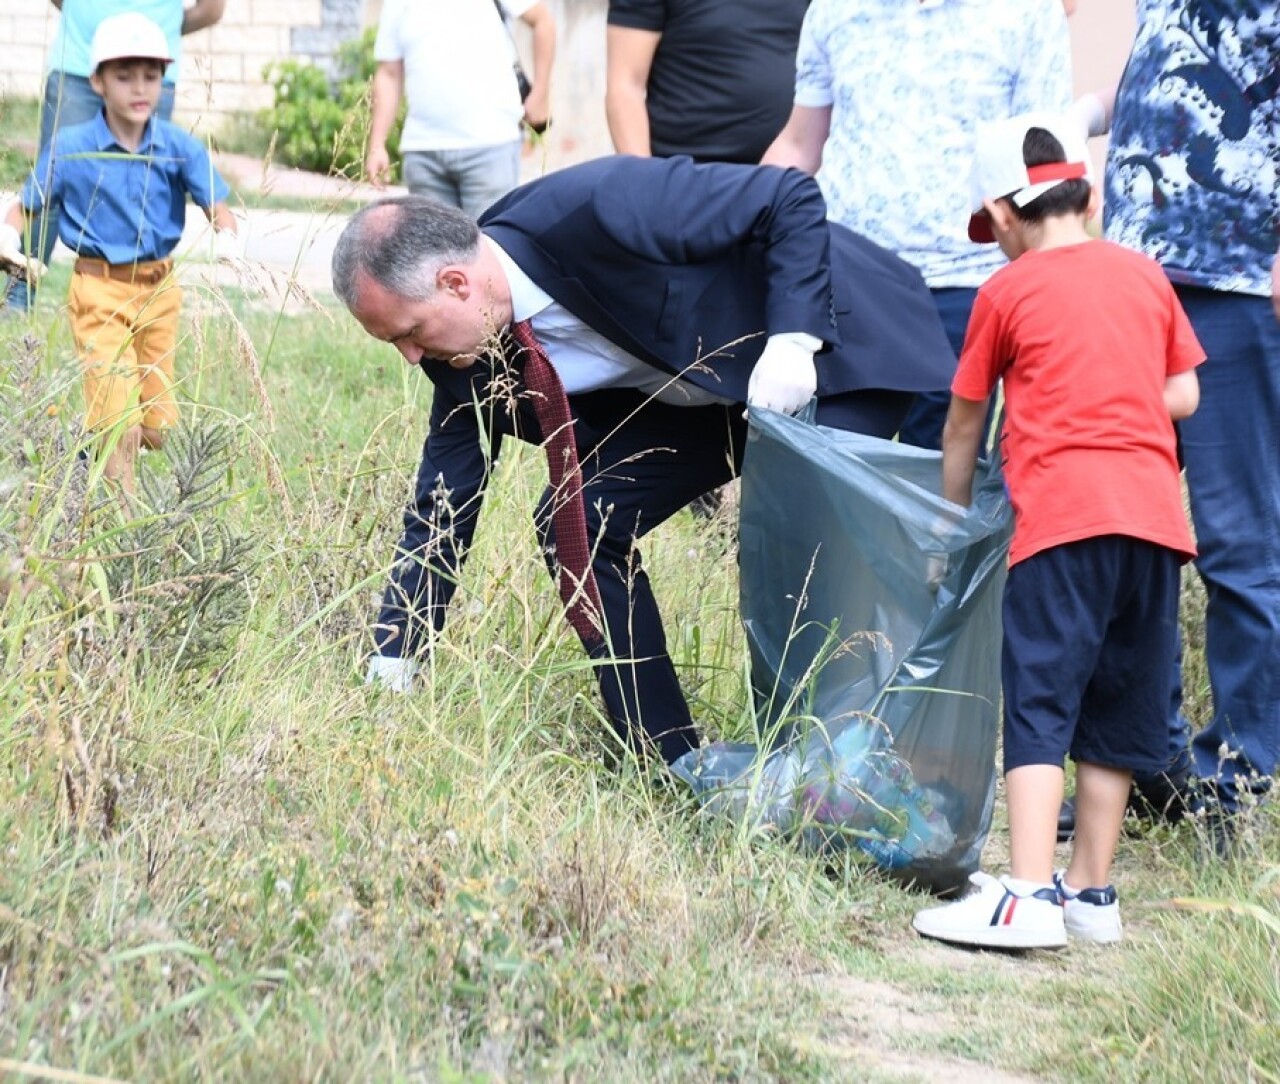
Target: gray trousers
(471,179)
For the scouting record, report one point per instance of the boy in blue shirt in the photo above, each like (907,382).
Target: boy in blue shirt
(122,180)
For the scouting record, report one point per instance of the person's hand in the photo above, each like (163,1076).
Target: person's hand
(377,166)
(537,110)
(784,378)
(394,674)
(228,246)
(12,258)
(1088,114)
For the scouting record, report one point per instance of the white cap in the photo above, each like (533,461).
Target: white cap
(999,169)
(125,36)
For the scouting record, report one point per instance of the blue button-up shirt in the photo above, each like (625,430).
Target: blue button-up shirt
(118,205)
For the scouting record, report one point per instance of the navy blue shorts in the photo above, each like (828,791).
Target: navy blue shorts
(1089,645)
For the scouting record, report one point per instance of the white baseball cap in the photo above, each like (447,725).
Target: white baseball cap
(126,36)
(999,170)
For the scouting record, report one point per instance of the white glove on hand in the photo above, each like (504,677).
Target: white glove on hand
(1088,114)
(784,378)
(12,258)
(394,674)
(228,245)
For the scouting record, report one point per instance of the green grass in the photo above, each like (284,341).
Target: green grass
(249,866)
(243,133)
(19,125)
(271,201)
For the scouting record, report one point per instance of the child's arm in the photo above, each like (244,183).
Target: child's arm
(204,184)
(12,259)
(15,221)
(222,218)
(961,438)
(16,216)
(1182,394)
(227,242)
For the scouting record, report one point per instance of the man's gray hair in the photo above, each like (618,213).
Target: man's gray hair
(401,244)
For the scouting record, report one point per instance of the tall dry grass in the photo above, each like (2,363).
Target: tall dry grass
(226,858)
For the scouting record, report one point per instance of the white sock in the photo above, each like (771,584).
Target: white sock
(1020,887)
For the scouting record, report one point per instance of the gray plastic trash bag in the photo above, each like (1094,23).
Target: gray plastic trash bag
(872,612)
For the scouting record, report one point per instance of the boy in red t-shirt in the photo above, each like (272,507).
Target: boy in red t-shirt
(1097,360)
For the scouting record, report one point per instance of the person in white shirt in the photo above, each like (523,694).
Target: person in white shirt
(888,99)
(461,138)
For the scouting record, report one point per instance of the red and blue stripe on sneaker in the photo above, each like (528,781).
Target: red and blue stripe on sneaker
(1008,905)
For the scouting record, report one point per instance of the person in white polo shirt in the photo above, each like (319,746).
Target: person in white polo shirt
(454,64)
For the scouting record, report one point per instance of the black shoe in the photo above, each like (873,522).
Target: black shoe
(1168,798)
(1067,821)
(707,506)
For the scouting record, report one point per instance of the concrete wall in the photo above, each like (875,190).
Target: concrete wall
(221,70)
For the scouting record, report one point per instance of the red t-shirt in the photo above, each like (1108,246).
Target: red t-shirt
(1084,337)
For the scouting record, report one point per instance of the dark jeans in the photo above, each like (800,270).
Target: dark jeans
(924,421)
(1231,447)
(68,100)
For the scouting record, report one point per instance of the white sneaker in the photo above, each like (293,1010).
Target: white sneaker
(1091,914)
(998,915)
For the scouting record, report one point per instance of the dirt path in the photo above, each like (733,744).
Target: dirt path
(883,1032)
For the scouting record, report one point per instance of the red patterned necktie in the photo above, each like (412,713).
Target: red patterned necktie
(577,582)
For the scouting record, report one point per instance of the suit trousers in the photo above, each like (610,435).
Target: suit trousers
(650,463)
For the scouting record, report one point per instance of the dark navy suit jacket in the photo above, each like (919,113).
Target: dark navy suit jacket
(687,267)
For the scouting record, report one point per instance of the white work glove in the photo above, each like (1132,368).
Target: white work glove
(784,378)
(394,674)
(12,258)
(1088,115)
(228,245)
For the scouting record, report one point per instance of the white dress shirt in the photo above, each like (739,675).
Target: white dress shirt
(584,359)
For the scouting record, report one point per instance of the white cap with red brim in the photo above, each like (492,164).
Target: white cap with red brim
(1000,172)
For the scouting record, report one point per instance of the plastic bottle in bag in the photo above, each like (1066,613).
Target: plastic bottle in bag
(867,794)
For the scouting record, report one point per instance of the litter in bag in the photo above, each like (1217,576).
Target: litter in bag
(872,612)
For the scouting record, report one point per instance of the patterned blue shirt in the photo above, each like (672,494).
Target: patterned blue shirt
(908,82)
(1193,168)
(120,206)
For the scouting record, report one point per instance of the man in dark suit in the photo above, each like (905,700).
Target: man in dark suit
(665,295)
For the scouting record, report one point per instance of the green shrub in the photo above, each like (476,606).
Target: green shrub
(19,126)
(321,125)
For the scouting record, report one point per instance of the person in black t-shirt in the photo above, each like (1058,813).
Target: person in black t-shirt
(712,79)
